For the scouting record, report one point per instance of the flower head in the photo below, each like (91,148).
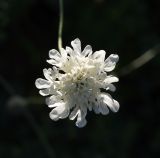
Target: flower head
(77,82)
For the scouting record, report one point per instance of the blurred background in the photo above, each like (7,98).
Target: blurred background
(28,30)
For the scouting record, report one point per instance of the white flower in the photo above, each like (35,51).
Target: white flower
(78,81)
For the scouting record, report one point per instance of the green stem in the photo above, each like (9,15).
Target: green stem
(140,61)
(60,24)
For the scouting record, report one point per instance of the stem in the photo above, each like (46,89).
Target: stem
(140,61)
(60,24)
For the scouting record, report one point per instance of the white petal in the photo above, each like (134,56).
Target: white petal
(54,72)
(52,100)
(63,53)
(81,121)
(102,107)
(74,113)
(99,55)
(64,56)
(47,74)
(64,114)
(54,54)
(83,112)
(44,92)
(69,51)
(111,87)
(59,112)
(52,105)
(76,44)
(111,103)
(54,62)
(111,79)
(96,108)
(41,83)
(110,62)
(54,115)
(116,105)
(87,51)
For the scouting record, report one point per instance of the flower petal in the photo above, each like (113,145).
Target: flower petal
(47,74)
(52,100)
(76,44)
(64,56)
(99,55)
(74,113)
(64,114)
(111,87)
(54,54)
(59,112)
(96,109)
(54,73)
(87,51)
(116,105)
(81,121)
(103,109)
(44,92)
(101,105)
(70,52)
(110,62)
(54,115)
(41,83)
(111,79)
(111,103)
(54,62)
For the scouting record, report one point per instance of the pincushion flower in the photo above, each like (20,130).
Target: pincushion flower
(78,81)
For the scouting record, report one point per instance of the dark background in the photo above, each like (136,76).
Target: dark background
(28,30)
